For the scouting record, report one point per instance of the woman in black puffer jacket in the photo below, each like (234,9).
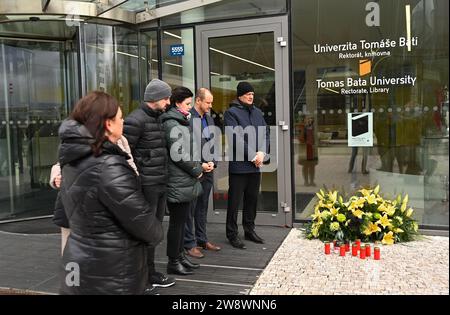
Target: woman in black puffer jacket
(111,223)
(183,186)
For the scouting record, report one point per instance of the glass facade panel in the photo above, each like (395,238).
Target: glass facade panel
(228,9)
(391,61)
(149,58)
(178,68)
(111,58)
(32,104)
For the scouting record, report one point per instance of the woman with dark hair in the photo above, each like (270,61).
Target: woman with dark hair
(111,223)
(184,173)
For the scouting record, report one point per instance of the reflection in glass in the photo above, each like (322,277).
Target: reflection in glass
(30,114)
(111,58)
(243,58)
(410,152)
(178,58)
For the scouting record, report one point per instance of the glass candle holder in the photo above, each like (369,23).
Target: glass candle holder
(376,253)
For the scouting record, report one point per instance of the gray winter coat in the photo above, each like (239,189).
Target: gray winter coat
(183,184)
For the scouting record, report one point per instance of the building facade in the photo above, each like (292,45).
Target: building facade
(355,91)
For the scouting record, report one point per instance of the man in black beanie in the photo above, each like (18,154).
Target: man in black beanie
(146,137)
(244,171)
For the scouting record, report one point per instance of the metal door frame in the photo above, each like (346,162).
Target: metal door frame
(279,26)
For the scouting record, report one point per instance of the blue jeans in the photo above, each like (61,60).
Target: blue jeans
(197,216)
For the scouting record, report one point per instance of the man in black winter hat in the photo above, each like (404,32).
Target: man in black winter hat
(147,140)
(244,171)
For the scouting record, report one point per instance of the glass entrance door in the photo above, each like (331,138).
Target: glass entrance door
(37,80)
(256,52)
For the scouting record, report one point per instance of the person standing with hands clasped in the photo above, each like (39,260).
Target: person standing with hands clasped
(183,183)
(200,119)
(244,167)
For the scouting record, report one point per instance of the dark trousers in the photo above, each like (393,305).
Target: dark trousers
(178,213)
(156,196)
(246,185)
(198,214)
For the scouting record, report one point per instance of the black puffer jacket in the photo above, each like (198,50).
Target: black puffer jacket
(111,223)
(146,137)
(183,184)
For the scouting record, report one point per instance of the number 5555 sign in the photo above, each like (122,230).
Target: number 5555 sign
(176,50)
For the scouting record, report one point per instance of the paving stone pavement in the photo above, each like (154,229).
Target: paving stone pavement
(301,267)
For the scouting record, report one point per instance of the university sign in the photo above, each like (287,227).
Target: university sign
(367,54)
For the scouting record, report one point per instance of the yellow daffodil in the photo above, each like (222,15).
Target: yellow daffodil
(399,220)
(334,211)
(341,201)
(384,221)
(398,230)
(319,196)
(365,192)
(333,196)
(376,190)
(325,214)
(405,200)
(317,207)
(388,238)
(371,228)
(316,214)
(371,199)
(399,198)
(390,210)
(358,213)
(409,212)
(415,226)
(315,230)
(382,208)
(403,207)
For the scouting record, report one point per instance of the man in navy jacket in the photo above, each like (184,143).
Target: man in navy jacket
(248,138)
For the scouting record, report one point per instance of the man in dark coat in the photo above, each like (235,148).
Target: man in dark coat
(201,124)
(146,137)
(248,137)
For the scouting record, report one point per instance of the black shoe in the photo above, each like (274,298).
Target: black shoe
(187,263)
(236,242)
(151,290)
(254,237)
(161,280)
(175,267)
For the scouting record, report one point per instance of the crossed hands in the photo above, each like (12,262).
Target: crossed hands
(258,159)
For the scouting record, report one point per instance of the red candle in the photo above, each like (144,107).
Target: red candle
(362,253)
(358,244)
(376,253)
(327,248)
(367,250)
(342,250)
(347,247)
(354,250)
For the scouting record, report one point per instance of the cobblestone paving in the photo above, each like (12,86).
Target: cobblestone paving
(301,267)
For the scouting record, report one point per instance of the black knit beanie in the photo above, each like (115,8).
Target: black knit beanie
(244,88)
